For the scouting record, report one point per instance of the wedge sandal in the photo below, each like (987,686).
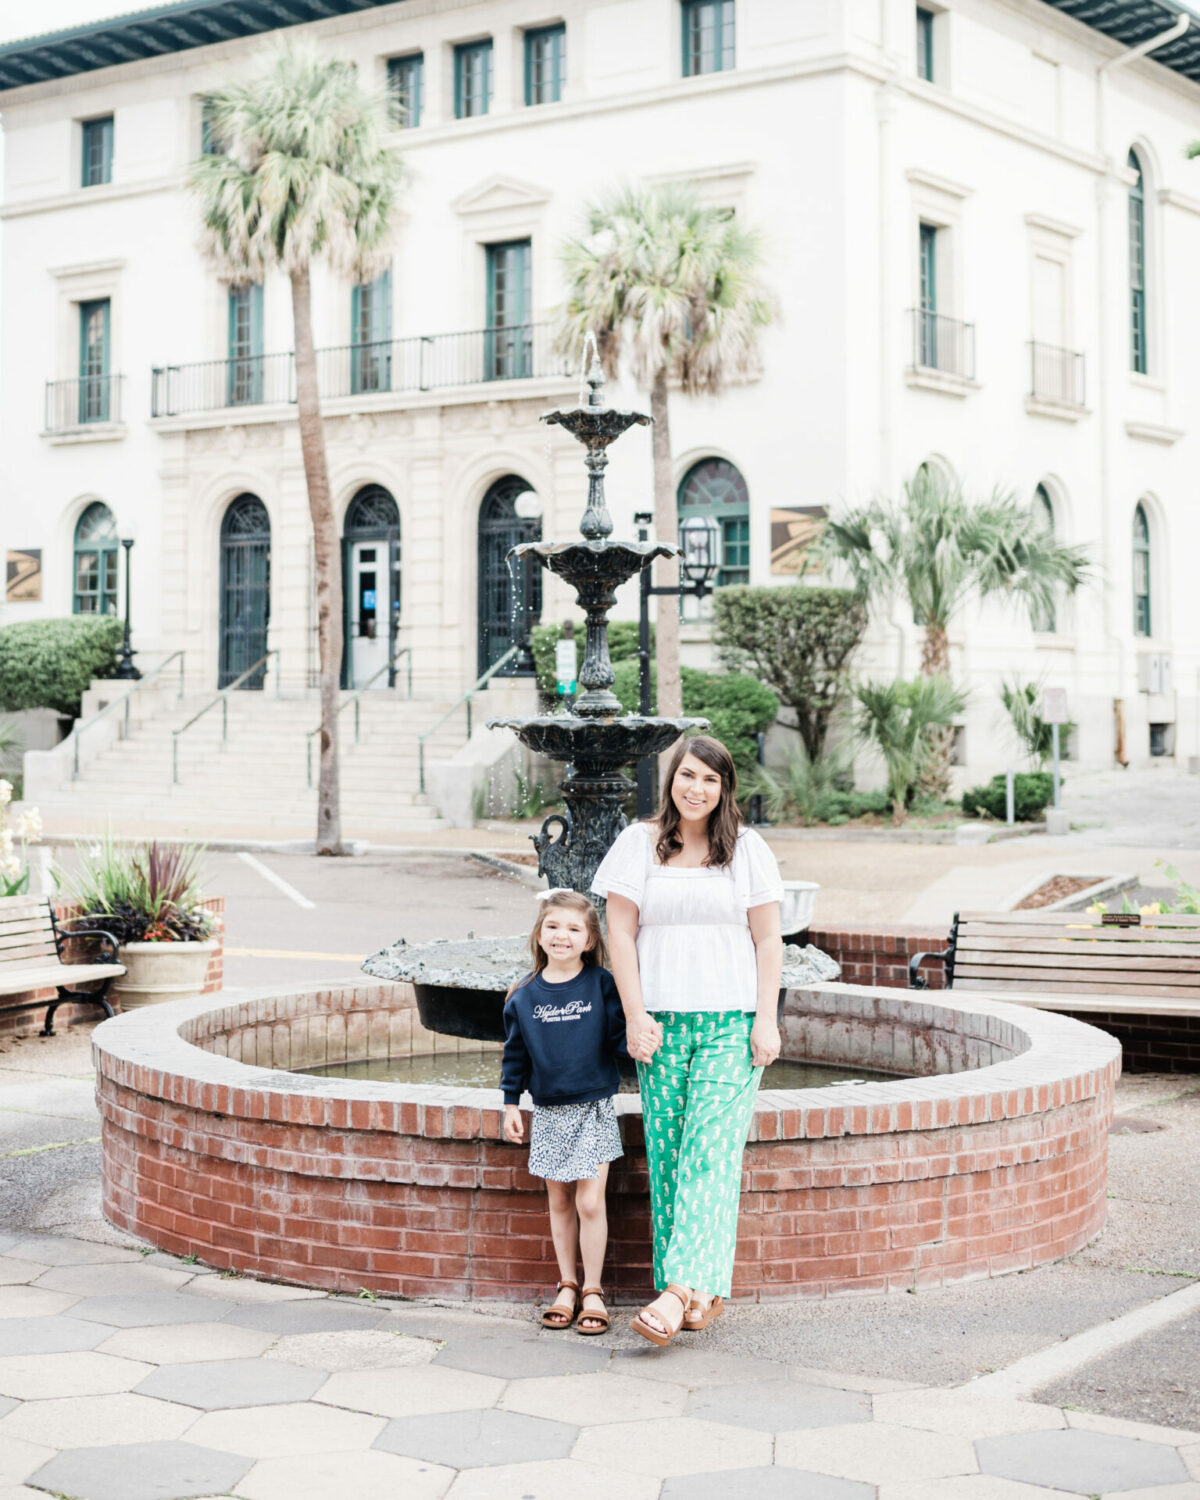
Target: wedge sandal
(698,1317)
(587,1314)
(683,1297)
(557,1316)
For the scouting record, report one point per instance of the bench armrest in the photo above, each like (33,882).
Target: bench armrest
(106,939)
(915,980)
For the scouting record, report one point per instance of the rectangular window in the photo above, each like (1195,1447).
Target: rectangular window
(94,369)
(97,151)
(244,382)
(371,333)
(472,79)
(924,44)
(707,37)
(406,79)
(1137,280)
(508,340)
(545,64)
(209,145)
(735,551)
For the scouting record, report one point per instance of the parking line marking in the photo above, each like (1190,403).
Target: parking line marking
(277,881)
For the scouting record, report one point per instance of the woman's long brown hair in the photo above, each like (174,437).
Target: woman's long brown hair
(560,900)
(724,821)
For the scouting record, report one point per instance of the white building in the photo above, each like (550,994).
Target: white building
(982,233)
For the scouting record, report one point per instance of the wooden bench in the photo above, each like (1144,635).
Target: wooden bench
(1077,961)
(31,958)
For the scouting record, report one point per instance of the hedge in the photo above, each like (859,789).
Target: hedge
(1033,791)
(738,707)
(49,663)
(622,645)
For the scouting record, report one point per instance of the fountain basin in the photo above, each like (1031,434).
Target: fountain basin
(993,1160)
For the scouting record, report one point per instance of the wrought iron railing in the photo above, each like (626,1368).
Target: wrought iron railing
(123,703)
(941,343)
(1056,374)
(432,362)
(221,697)
(389,667)
(88,399)
(480,682)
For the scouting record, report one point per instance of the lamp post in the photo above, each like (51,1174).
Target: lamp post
(700,539)
(126,670)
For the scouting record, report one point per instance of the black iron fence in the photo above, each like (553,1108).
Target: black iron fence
(942,343)
(1056,374)
(247,380)
(71,404)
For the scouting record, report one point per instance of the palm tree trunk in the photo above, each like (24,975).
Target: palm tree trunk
(935,662)
(666,529)
(935,650)
(329,575)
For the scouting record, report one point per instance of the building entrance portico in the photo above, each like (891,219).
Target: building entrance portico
(371,587)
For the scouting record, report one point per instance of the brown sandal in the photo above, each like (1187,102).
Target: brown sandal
(683,1297)
(697,1317)
(586,1313)
(557,1316)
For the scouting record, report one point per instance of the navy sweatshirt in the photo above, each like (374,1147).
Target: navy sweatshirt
(561,1040)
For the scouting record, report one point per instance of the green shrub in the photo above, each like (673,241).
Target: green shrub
(49,663)
(819,791)
(622,645)
(1033,791)
(737,707)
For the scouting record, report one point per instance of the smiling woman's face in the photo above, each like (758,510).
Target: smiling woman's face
(696,790)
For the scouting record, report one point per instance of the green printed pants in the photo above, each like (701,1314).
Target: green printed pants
(697,1100)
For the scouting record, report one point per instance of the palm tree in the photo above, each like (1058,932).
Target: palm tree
(937,549)
(302,170)
(674,286)
(904,722)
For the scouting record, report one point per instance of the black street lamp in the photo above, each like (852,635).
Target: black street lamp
(700,539)
(125,667)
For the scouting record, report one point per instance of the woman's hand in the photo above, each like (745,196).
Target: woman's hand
(643,1036)
(764,1042)
(514,1124)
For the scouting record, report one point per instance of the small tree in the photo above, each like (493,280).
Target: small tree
(902,720)
(797,639)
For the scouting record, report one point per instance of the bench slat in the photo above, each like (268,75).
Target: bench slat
(1128,962)
(23,924)
(1075,918)
(1074,944)
(1037,982)
(40,976)
(23,954)
(1155,937)
(30,935)
(20,906)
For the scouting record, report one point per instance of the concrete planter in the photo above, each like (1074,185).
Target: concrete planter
(799,898)
(161,971)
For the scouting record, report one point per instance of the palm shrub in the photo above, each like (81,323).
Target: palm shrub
(51,663)
(901,720)
(150,894)
(1022,700)
(672,285)
(304,171)
(815,791)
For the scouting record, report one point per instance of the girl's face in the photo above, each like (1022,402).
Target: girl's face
(564,934)
(696,790)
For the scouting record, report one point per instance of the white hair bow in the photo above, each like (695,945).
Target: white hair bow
(558,890)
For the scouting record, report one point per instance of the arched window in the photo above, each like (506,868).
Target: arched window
(505,593)
(371,588)
(1138,347)
(713,487)
(96,549)
(1045,620)
(245,590)
(1141,573)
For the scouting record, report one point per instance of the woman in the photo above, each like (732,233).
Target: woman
(694,944)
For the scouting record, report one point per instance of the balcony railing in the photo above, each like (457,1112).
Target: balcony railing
(89,399)
(413,364)
(943,344)
(1056,374)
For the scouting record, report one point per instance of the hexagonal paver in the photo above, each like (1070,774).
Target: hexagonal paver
(245,1290)
(764,1484)
(1148,1432)
(558,1479)
(19,1459)
(471,1439)
(146,1309)
(365,1476)
(32,1302)
(779,1405)
(93,1421)
(141,1471)
(685,1364)
(7,1404)
(54,1250)
(49,1335)
(353,1349)
(301,1317)
(961,1414)
(40,1377)
(185,1343)
(502,1359)
(590,1399)
(21,1492)
(1091,1462)
(674,1445)
(285,1431)
(217,1384)
(971,1487)
(423,1390)
(875,1453)
(15,1272)
(113,1280)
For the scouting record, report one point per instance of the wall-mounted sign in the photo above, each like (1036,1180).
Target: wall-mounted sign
(23,580)
(794,529)
(1054,705)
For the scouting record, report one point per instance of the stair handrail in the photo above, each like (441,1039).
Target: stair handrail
(221,697)
(480,682)
(374,678)
(82,725)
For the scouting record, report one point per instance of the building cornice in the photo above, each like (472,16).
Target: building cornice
(83,197)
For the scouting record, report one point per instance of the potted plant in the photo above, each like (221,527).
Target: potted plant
(149,898)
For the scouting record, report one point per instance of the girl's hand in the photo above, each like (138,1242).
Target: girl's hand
(643,1037)
(764,1042)
(514,1124)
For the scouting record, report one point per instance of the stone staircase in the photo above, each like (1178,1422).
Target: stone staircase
(255,783)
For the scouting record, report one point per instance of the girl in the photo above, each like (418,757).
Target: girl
(693,927)
(563,1029)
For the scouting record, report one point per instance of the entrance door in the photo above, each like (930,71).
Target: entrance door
(370,610)
(245,590)
(371,587)
(504,596)
(508,342)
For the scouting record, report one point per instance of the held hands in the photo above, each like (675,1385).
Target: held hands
(514,1124)
(643,1037)
(764,1042)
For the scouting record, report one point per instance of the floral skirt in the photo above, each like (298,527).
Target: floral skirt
(568,1142)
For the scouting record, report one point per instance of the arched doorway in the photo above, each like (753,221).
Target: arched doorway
(95,563)
(503,596)
(371,587)
(245,589)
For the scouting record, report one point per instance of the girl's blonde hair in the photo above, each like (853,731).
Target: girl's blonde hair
(564,900)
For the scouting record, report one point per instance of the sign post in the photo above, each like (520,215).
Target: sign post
(1054,713)
(564,666)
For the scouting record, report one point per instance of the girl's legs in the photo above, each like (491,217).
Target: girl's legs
(593,1234)
(564,1231)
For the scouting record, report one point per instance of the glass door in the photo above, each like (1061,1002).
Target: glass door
(508,342)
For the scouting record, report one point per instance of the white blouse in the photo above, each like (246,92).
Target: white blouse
(695,949)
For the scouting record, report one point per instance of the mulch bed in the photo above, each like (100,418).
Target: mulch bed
(1055,889)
